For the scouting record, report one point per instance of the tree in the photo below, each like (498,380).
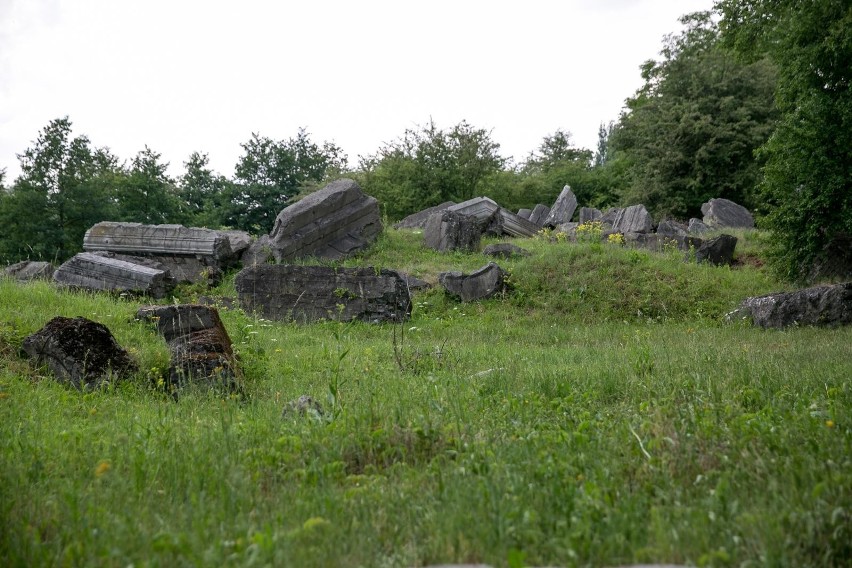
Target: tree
(557,163)
(271,173)
(201,192)
(689,133)
(807,178)
(428,165)
(147,194)
(64,188)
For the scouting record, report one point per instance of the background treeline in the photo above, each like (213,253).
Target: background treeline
(751,103)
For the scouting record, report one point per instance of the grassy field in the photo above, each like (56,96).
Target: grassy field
(600,414)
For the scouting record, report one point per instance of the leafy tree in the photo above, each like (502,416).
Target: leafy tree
(428,165)
(147,194)
(689,133)
(808,173)
(64,188)
(200,192)
(271,173)
(557,163)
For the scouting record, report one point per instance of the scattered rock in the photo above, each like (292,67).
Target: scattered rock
(697,227)
(239,241)
(303,405)
(539,215)
(312,293)
(608,218)
(448,230)
(723,213)
(29,270)
(524,213)
(661,243)
(633,219)
(79,351)
(259,252)
(418,220)
(569,229)
(94,271)
(718,251)
(588,214)
(488,281)
(414,284)
(333,223)
(505,250)
(494,218)
(821,306)
(563,209)
(670,228)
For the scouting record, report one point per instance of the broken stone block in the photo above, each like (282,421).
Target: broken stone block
(633,219)
(539,214)
(697,227)
(201,350)
(312,293)
(662,243)
(29,270)
(418,220)
(829,305)
(239,241)
(333,223)
(259,252)
(670,228)
(488,281)
(718,251)
(447,231)
(524,213)
(723,213)
(491,215)
(563,209)
(588,214)
(505,250)
(93,271)
(159,240)
(79,351)
(608,218)
(414,283)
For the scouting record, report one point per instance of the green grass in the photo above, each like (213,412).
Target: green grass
(600,414)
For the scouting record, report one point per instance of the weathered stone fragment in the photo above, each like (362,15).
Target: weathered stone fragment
(723,213)
(670,228)
(414,283)
(259,252)
(486,211)
(313,293)
(505,250)
(447,231)
(608,218)
(29,270)
(333,223)
(821,305)
(239,241)
(524,213)
(662,243)
(79,351)
(539,215)
(589,214)
(200,347)
(563,209)
(159,240)
(95,272)
(697,227)
(488,281)
(718,251)
(633,219)
(568,229)
(418,220)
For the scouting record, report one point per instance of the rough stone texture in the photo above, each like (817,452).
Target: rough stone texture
(493,217)
(570,229)
(200,347)
(524,213)
(486,282)
(334,223)
(239,241)
(301,406)
(589,214)
(505,250)
(661,243)
(723,213)
(670,228)
(447,231)
(563,209)
(259,252)
(100,272)
(414,284)
(608,218)
(418,220)
(697,227)
(821,305)
(633,219)
(29,270)
(79,351)
(159,240)
(718,251)
(539,215)
(312,293)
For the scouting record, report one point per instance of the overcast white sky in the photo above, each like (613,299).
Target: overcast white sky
(202,75)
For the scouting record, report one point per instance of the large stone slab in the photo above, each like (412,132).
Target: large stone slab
(488,281)
(588,214)
(418,220)
(27,270)
(504,250)
(159,240)
(94,271)
(697,227)
(633,219)
(334,223)
(79,351)
(671,228)
(563,209)
(313,293)
(448,230)
(821,306)
(663,243)
(539,215)
(718,251)
(524,213)
(489,214)
(723,213)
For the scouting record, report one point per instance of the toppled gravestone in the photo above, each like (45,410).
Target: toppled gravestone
(494,219)
(718,251)
(104,272)
(563,209)
(821,305)
(27,270)
(633,219)
(539,214)
(588,214)
(447,231)
(312,293)
(504,250)
(79,351)
(200,347)
(333,223)
(488,281)
(418,220)
(723,213)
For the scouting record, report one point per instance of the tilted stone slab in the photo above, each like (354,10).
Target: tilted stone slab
(724,213)
(697,227)
(238,240)
(588,214)
(95,272)
(539,214)
(447,231)
(334,223)
(159,240)
(563,209)
(670,228)
(608,218)
(718,251)
(485,210)
(820,305)
(487,282)
(29,270)
(633,219)
(312,293)
(524,213)
(418,220)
